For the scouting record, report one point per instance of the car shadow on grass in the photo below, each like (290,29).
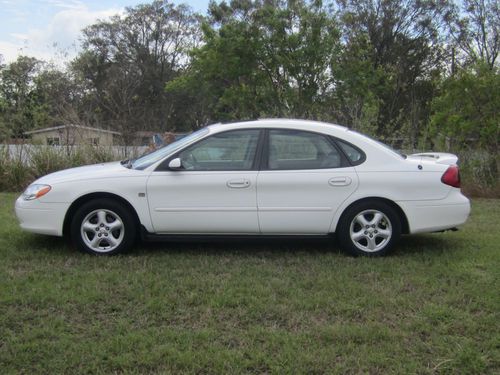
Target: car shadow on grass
(429,243)
(247,247)
(437,243)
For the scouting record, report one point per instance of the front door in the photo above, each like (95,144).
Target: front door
(214,192)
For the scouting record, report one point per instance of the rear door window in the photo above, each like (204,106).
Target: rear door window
(292,149)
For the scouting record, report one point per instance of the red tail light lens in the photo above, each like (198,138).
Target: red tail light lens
(451,176)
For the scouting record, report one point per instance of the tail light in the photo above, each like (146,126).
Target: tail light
(451,176)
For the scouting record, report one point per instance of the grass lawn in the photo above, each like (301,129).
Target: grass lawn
(433,306)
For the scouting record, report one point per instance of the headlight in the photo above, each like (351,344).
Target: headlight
(35,191)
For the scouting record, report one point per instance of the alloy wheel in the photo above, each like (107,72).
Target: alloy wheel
(370,230)
(102,230)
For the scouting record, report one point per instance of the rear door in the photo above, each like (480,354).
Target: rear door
(305,177)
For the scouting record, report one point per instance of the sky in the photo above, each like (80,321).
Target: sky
(50,29)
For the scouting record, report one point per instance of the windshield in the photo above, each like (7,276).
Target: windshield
(387,147)
(150,158)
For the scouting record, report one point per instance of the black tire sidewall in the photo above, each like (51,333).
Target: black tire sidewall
(343,228)
(130,234)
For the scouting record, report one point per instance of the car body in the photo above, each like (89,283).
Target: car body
(256,178)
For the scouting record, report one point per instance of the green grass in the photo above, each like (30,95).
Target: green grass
(260,307)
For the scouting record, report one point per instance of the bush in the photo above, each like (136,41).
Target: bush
(480,174)
(93,155)
(14,173)
(46,159)
(31,162)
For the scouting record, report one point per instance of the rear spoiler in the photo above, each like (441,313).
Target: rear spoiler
(438,157)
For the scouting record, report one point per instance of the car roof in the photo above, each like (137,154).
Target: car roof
(280,123)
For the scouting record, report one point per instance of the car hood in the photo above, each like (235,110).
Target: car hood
(88,172)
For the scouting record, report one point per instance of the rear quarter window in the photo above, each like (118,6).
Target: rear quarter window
(355,155)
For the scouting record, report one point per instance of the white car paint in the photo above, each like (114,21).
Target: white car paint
(180,201)
(259,201)
(284,208)
(439,157)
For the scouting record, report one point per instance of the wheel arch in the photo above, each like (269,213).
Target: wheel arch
(91,196)
(405,227)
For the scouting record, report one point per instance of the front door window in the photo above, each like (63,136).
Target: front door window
(228,151)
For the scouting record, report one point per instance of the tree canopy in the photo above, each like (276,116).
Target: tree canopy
(404,71)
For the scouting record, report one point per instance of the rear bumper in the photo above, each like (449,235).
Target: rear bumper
(42,218)
(432,216)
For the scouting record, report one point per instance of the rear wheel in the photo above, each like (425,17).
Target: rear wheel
(369,228)
(103,227)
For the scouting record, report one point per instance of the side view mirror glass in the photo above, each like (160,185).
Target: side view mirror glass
(175,164)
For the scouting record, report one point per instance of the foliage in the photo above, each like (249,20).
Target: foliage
(15,175)
(389,65)
(18,170)
(374,65)
(474,31)
(19,104)
(467,109)
(479,171)
(59,96)
(127,61)
(263,59)
(466,114)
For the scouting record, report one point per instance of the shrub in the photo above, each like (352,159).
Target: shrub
(95,155)
(30,162)
(46,159)
(15,174)
(480,174)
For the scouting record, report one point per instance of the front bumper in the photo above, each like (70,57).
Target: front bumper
(43,218)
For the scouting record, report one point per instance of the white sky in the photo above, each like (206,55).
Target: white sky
(50,29)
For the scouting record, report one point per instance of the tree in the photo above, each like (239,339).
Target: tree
(127,61)
(60,97)
(468,108)
(262,58)
(474,30)
(18,100)
(390,61)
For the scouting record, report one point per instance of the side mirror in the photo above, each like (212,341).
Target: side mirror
(175,164)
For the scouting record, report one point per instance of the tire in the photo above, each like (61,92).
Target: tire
(369,228)
(103,227)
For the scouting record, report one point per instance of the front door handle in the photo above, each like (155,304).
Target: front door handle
(238,184)
(340,181)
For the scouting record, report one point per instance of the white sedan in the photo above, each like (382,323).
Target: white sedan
(259,178)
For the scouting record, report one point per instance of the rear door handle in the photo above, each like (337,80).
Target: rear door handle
(340,181)
(238,184)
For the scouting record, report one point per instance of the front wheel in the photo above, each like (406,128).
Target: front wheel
(103,227)
(369,228)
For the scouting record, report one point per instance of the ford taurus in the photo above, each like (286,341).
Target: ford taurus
(259,178)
